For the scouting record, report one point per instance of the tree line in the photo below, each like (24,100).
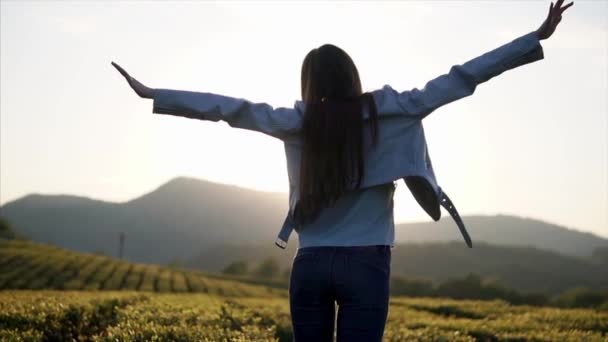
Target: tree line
(471,286)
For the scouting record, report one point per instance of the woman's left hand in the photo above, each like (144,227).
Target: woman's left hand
(547,28)
(139,88)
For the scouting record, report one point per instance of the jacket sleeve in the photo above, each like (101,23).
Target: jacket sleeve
(461,80)
(238,113)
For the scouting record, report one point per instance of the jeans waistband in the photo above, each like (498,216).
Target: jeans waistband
(345,248)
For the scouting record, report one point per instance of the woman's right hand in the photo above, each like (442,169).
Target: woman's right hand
(139,88)
(555,16)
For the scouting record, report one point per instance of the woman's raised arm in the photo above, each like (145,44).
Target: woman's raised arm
(462,80)
(237,112)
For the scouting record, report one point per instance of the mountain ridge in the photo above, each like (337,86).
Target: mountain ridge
(185,215)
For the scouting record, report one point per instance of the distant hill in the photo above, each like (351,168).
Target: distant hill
(185,216)
(175,221)
(504,230)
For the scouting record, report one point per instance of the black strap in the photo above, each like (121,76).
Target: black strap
(445,201)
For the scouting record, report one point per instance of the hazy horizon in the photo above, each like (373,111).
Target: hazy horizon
(445,215)
(532,142)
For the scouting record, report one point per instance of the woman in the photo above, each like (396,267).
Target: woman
(343,152)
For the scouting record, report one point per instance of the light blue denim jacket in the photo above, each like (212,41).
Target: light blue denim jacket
(401,152)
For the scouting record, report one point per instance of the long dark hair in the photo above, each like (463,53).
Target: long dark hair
(332,160)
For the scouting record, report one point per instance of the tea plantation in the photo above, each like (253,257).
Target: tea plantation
(51,294)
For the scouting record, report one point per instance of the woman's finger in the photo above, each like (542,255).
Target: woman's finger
(565,7)
(556,12)
(557,7)
(122,71)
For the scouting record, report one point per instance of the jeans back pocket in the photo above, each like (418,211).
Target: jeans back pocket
(375,257)
(303,254)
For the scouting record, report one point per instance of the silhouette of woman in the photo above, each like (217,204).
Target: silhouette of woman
(344,149)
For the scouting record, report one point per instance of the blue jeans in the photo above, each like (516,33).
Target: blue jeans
(355,277)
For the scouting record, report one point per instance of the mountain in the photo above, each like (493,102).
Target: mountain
(503,230)
(185,216)
(175,221)
(526,269)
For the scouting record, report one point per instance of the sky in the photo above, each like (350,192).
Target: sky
(530,142)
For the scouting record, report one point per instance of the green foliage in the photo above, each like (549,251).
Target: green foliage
(30,265)
(285,275)
(6,231)
(268,268)
(176,263)
(237,268)
(401,286)
(600,254)
(472,287)
(582,298)
(70,316)
(136,316)
(99,252)
(192,306)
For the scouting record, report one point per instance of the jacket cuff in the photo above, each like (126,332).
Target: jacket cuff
(522,50)
(178,103)
(531,51)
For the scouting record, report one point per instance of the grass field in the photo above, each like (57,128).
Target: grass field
(51,294)
(34,266)
(148,316)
